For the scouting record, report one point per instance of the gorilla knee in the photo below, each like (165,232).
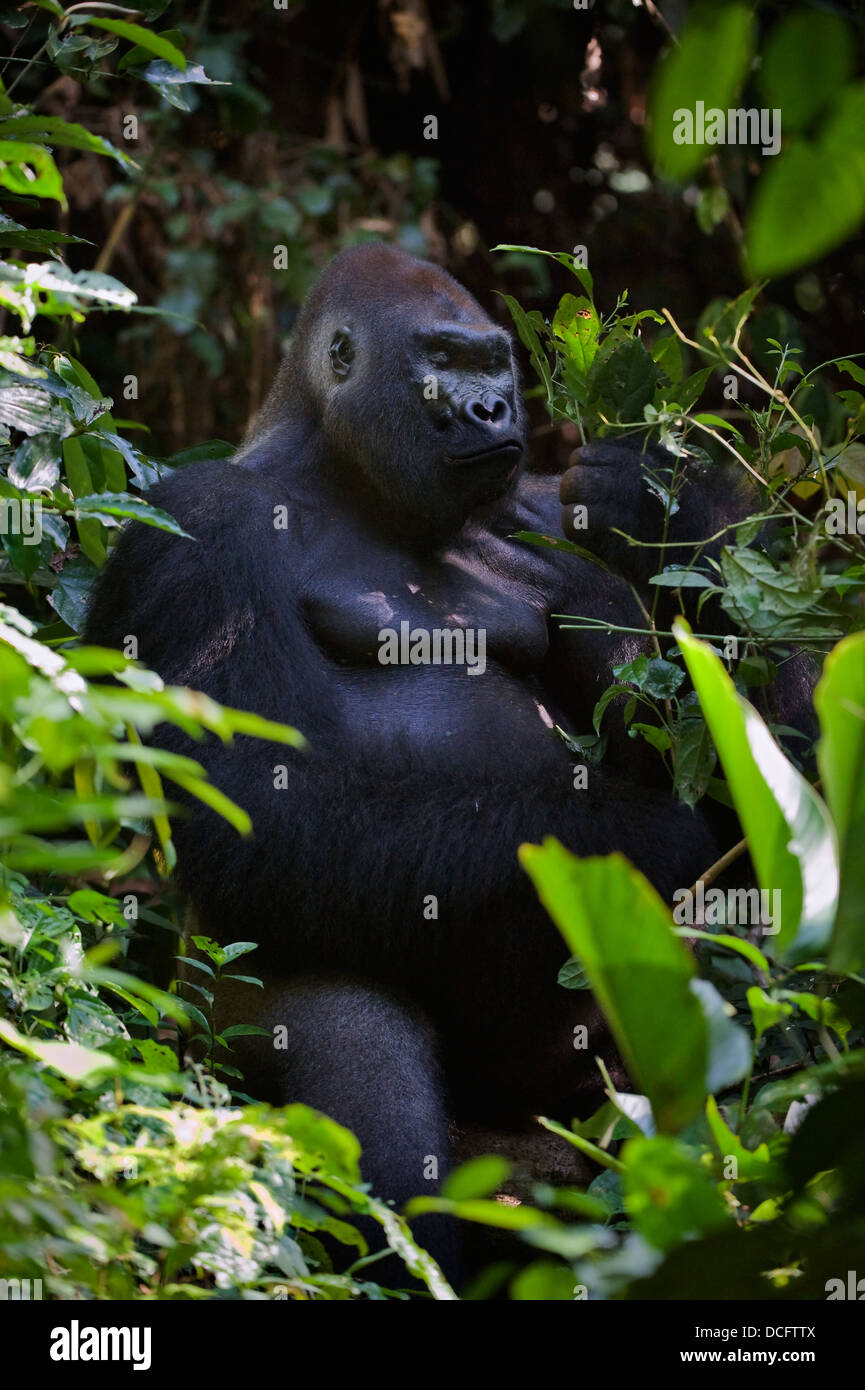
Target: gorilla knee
(366,1059)
(370,1062)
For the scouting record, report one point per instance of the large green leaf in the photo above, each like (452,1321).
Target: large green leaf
(790,834)
(840,701)
(641,974)
(51,130)
(137,34)
(809,200)
(708,65)
(812,197)
(808,58)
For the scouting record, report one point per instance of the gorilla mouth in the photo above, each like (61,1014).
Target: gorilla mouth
(508,451)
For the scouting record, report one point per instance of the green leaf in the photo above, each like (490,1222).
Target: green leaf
(769,600)
(655,736)
(662,678)
(193,1012)
(678,577)
(667,356)
(237,949)
(752,1165)
(852,368)
(709,65)
(136,34)
(790,836)
(169,82)
(210,948)
(241,721)
(91,533)
(695,759)
(76,1063)
(140,54)
(576,325)
(197,964)
(30,169)
(51,130)
(729,1048)
(31,410)
(96,907)
(36,467)
(480,1177)
(733,943)
(83,284)
(809,200)
(717,423)
(572,975)
(669,1195)
(71,594)
(543,1281)
(611,692)
(528,326)
(840,704)
(766,1012)
(482,1211)
(623,382)
(210,449)
(108,505)
(24,239)
(692,389)
(563,258)
(807,59)
(614,922)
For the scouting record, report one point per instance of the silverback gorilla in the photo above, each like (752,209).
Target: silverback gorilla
(402,946)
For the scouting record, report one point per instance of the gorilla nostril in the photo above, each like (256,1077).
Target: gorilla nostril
(488,409)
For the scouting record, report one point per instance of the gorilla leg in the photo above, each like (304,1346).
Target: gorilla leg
(370,1062)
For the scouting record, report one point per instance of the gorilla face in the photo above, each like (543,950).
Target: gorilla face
(416,387)
(470,386)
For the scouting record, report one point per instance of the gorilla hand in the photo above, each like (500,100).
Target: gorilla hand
(607,487)
(618,486)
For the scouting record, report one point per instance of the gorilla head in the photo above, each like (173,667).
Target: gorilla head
(411,389)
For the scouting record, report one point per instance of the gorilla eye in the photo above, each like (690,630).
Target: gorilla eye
(440,358)
(341,352)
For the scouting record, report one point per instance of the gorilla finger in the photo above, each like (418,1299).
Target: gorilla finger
(619,454)
(572,484)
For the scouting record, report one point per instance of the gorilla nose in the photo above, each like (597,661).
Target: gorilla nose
(488,409)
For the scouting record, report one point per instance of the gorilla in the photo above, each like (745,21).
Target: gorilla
(355,572)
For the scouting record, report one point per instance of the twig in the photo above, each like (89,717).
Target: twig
(719,866)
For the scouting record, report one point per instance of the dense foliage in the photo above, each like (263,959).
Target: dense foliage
(127,1169)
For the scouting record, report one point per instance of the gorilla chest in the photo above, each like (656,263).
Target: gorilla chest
(453,612)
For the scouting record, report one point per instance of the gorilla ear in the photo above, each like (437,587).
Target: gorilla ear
(341,352)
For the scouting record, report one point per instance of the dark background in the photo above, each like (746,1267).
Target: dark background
(319,141)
